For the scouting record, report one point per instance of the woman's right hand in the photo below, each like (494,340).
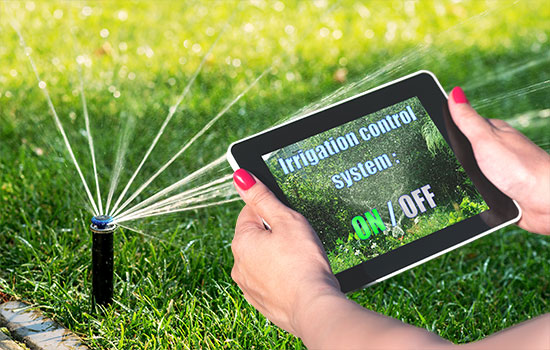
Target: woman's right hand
(514,164)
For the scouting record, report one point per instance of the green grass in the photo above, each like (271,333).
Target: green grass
(175,291)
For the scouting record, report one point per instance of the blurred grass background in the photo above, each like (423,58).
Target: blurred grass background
(173,288)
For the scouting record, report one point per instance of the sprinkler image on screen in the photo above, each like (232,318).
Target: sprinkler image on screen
(376,183)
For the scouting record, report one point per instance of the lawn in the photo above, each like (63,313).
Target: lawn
(172,281)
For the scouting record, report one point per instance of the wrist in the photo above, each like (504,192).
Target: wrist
(311,303)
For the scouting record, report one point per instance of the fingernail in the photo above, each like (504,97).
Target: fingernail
(459,96)
(243,179)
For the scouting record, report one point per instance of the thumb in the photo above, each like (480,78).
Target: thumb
(258,196)
(472,125)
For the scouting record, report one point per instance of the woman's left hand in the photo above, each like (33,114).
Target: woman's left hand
(281,270)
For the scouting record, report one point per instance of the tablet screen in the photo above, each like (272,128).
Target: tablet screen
(375,183)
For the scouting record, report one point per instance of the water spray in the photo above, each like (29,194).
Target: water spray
(102,260)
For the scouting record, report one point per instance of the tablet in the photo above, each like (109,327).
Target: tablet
(385,178)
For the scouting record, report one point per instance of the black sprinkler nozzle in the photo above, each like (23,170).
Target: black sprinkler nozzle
(102,260)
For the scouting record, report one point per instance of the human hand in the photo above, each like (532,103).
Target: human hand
(279,270)
(514,164)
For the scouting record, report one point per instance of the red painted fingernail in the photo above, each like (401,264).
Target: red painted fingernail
(459,96)
(243,179)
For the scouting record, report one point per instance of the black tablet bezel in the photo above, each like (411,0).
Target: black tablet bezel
(247,154)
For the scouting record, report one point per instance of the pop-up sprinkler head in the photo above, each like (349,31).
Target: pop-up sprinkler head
(102,224)
(102,260)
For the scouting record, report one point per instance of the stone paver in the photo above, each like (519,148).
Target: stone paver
(35,330)
(6,343)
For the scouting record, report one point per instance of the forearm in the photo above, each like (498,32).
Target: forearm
(332,321)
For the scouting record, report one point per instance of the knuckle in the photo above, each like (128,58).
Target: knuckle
(235,275)
(235,245)
(258,198)
(502,124)
(288,217)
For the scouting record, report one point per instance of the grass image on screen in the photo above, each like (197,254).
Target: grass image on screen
(376,183)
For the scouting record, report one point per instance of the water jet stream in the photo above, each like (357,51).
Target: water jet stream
(123,143)
(190,142)
(179,210)
(177,184)
(204,198)
(371,79)
(514,93)
(172,110)
(89,135)
(507,71)
(221,186)
(183,195)
(42,86)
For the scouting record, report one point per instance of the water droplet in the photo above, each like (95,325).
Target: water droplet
(112,89)
(236,62)
(123,46)
(116,94)
(369,33)
(86,11)
(122,15)
(440,9)
(104,33)
(42,84)
(196,48)
(289,29)
(28,51)
(409,8)
(171,81)
(320,3)
(210,31)
(324,32)
(337,34)
(249,27)
(290,76)
(58,14)
(279,6)
(364,12)
(131,75)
